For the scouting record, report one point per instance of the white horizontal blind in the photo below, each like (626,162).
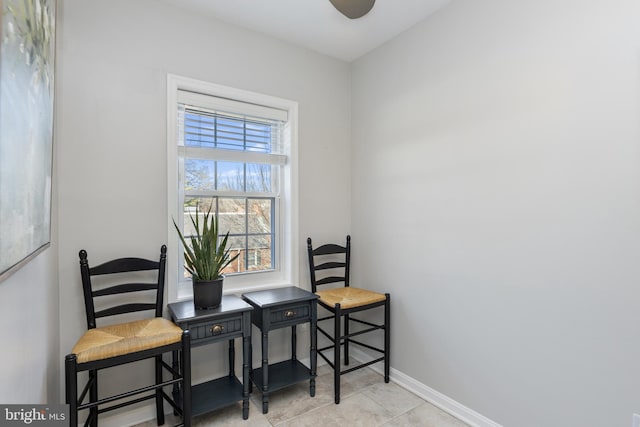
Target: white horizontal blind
(213,127)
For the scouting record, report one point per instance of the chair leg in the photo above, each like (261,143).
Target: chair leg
(175,364)
(336,354)
(186,378)
(93,397)
(71,388)
(346,339)
(387,336)
(159,399)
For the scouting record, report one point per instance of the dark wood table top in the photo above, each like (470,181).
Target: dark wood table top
(272,297)
(185,311)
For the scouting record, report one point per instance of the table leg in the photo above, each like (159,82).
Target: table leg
(246,353)
(250,361)
(294,342)
(265,371)
(314,346)
(232,358)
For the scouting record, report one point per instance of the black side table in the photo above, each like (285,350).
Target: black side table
(231,320)
(279,308)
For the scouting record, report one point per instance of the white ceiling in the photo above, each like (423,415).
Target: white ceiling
(316,24)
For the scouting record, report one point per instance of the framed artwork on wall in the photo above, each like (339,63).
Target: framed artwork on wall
(27,62)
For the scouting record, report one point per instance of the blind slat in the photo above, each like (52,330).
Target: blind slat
(209,129)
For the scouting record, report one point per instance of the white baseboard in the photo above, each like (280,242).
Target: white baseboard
(425,392)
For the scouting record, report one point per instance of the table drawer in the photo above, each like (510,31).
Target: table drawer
(294,313)
(220,328)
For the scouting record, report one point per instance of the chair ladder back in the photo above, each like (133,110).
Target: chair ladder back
(122,265)
(86,290)
(329,249)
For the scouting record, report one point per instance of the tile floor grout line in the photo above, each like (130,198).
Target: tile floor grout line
(298,416)
(398,416)
(326,405)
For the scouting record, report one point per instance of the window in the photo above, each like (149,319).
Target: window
(233,152)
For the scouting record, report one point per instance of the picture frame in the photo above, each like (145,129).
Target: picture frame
(27,77)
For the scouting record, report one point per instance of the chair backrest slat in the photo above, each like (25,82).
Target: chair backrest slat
(331,279)
(124,288)
(329,249)
(321,253)
(124,308)
(124,265)
(330,265)
(115,267)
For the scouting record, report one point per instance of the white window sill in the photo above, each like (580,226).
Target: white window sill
(185,291)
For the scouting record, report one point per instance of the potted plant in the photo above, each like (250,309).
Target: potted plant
(205,258)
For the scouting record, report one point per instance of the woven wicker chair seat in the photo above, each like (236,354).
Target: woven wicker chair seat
(116,340)
(349,297)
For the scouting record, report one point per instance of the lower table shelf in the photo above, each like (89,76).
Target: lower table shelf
(215,394)
(282,374)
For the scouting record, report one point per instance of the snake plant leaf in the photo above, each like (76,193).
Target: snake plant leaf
(205,257)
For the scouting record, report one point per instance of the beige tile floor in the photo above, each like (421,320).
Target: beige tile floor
(365,401)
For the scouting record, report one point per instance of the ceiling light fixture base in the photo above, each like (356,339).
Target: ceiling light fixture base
(353,9)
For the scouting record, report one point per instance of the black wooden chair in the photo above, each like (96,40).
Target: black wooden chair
(332,261)
(121,343)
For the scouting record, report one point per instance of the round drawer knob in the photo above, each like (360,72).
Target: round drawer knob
(216,329)
(289,313)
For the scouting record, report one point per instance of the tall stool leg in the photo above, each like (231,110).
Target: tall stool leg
(387,336)
(71,387)
(93,397)
(336,354)
(346,339)
(175,390)
(185,363)
(159,399)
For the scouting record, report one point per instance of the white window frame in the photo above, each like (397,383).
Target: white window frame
(286,271)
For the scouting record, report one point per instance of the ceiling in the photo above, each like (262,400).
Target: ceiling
(316,24)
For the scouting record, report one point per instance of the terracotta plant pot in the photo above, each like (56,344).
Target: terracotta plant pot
(207,294)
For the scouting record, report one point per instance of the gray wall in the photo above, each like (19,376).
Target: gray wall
(496,194)
(29,318)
